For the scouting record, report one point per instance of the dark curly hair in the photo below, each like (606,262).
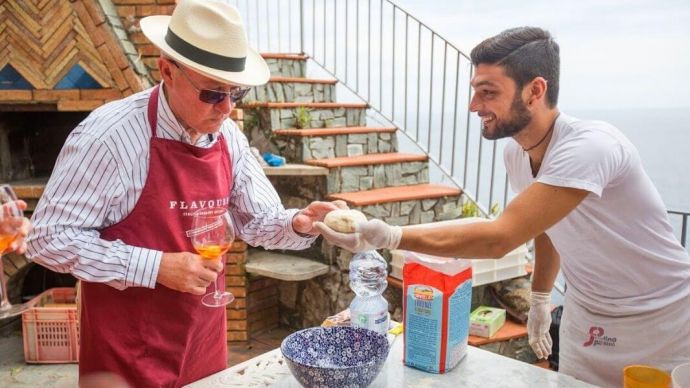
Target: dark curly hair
(525,53)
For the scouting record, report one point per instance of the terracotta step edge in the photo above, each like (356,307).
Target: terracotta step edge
(332,131)
(303,80)
(368,159)
(396,194)
(315,105)
(295,56)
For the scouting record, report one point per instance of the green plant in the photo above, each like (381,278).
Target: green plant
(470,209)
(495,209)
(250,121)
(302,117)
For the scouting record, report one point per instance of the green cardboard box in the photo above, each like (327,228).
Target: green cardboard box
(485,321)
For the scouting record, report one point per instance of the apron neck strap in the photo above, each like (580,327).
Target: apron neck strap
(153,109)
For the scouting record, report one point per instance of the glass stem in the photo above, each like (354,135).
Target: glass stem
(216,294)
(5,303)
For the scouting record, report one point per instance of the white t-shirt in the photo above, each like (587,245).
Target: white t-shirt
(619,255)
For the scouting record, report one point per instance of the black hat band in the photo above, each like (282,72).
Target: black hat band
(204,57)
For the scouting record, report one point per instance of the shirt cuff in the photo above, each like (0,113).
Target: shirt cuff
(143,267)
(291,233)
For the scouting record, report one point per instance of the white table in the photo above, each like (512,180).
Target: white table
(479,368)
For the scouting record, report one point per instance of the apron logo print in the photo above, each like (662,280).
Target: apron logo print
(201,204)
(597,337)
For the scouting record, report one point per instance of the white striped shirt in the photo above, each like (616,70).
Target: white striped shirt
(99,177)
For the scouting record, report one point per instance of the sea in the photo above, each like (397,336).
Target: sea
(662,137)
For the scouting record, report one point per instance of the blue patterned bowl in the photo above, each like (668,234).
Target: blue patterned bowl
(335,356)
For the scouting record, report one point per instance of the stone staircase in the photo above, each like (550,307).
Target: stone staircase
(365,166)
(299,118)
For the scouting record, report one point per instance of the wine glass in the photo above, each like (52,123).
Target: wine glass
(8,201)
(212,234)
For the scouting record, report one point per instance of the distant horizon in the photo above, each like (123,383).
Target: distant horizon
(630,108)
(623,54)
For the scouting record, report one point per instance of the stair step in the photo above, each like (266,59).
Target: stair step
(295,57)
(286,65)
(324,143)
(282,266)
(396,194)
(265,117)
(293,89)
(333,131)
(296,170)
(302,80)
(312,105)
(368,159)
(374,171)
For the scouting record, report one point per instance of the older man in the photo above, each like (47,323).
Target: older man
(117,208)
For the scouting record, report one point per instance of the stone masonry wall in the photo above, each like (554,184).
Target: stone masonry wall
(292,92)
(416,212)
(297,193)
(319,118)
(349,179)
(260,123)
(286,67)
(299,148)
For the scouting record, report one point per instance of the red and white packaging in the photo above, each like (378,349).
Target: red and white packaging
(436,311)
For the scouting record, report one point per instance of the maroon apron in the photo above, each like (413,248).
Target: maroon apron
(160,337)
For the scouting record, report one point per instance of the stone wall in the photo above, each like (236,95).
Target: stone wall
(349,179)
(416,212)
(318,118)
(292,92)
(286,67)
(259,124)
(297,193)
(299,148)
(308,303)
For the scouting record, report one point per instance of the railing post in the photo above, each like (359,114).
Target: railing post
(301,26)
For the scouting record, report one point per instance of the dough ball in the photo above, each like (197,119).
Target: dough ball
(344,221)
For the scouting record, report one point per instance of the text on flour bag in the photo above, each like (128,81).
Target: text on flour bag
(436,311)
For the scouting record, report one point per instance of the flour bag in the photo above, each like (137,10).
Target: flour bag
(436,311)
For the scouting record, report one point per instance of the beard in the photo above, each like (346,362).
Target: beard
(518,120)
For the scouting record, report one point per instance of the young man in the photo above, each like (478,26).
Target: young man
(117,208)
(589,206)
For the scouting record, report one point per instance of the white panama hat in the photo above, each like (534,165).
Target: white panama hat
(208,37)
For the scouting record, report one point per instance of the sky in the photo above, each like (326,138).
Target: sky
(615,54)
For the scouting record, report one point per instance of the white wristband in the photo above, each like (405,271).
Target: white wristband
(396,235)
(540,297)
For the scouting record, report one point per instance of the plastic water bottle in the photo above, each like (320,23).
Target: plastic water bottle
(368,280)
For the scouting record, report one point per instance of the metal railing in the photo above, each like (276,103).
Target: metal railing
(682,217)
(409,75)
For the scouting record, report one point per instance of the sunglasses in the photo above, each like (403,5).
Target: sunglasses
(213,97)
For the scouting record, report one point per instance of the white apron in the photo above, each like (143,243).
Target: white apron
(595,348)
